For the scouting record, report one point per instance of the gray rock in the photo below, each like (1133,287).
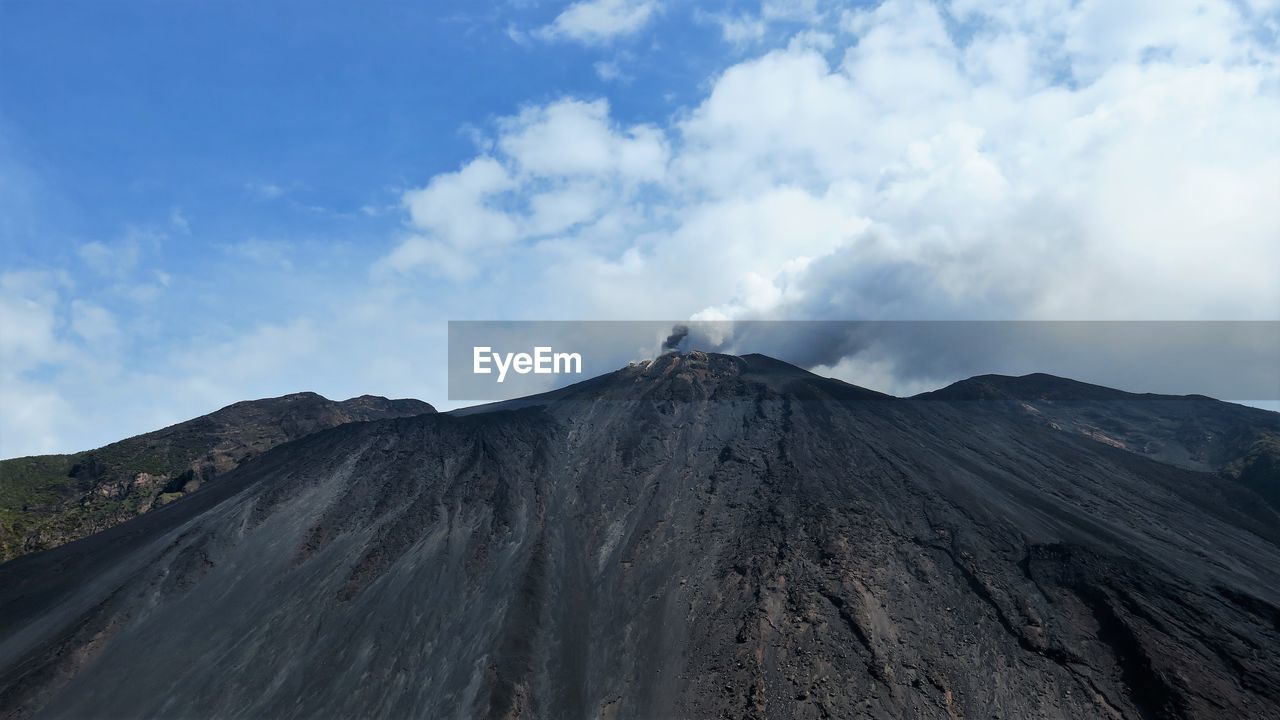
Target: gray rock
(702,536)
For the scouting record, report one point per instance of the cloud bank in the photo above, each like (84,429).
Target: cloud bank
(912,160)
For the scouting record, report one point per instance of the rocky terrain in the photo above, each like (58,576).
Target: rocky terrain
(48,500)
(1191,431)
(700,536)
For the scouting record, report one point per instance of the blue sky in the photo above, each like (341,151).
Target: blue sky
(203,202)
(124,112)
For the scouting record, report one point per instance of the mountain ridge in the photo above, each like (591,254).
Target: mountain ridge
(47,499)
(1191,431)
(1041,386)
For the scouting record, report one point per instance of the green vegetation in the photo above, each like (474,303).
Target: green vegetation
(49,500)
(43,504)
(30,488)
(166,498)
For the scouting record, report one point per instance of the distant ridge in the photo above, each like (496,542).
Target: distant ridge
(47,500)
(1037,386)
(1191,431)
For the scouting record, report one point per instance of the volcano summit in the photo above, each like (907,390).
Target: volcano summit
(699,536)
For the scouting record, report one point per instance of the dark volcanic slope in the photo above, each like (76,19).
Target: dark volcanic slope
(1190,431)
(702,536)
(48,500)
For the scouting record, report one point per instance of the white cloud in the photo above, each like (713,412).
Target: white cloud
(28,321)
(57,343)
(179,221)
(555,167)
(1103,34)
(454,216)
(595,22)
(275,254)
(109,258)
(575,138)
(121,256)
(736,142)
(1043,163)
(741,29)
(608,71)
(31,340)
(749,28)
(802,11)
(458,206)
(264,191)
(35,419)
(66,382)
(94,324)
(422,253)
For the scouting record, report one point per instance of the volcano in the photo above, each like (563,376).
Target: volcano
(699,536)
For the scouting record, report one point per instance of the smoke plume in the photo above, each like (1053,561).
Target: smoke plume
(677,336)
